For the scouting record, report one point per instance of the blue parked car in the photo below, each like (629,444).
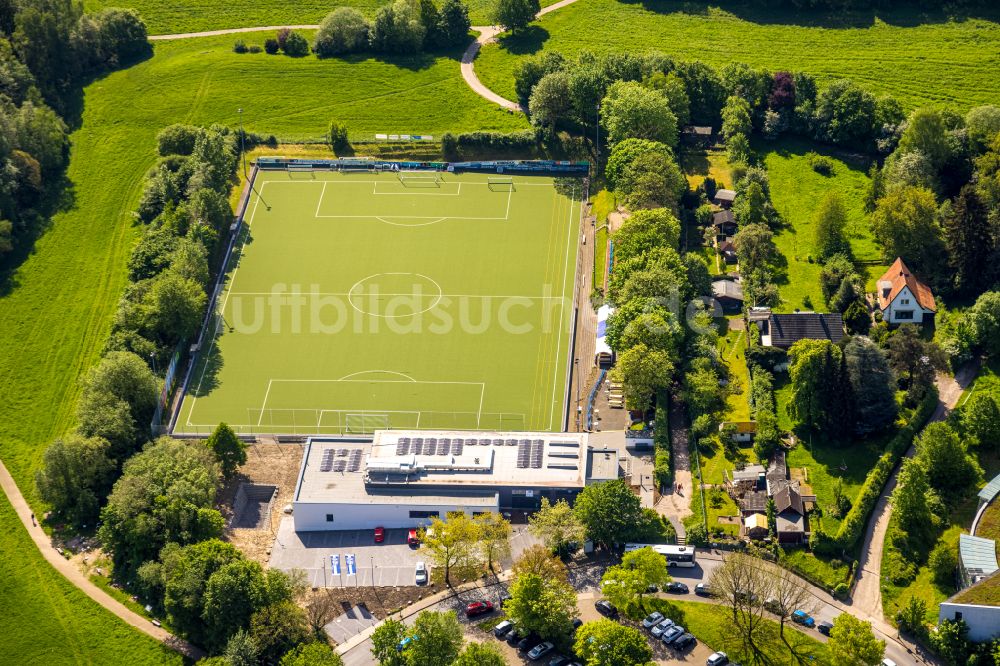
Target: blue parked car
(803,618)
(406,641)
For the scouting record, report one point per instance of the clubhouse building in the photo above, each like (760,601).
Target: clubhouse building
(403,478)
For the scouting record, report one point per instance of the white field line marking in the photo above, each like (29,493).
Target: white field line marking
(479,414)
(225,300)
(562,312)
(387,372)
(365,182)
(321,194)
(519,415)
(263,405)
(346,293)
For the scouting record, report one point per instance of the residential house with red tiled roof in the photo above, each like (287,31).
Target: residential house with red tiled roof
(902,298)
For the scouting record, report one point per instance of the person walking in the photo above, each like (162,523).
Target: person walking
(33,524)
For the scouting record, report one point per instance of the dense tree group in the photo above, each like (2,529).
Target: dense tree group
(47,49)
(400,27)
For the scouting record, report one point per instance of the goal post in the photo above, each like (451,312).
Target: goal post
(420,178)
(504,183)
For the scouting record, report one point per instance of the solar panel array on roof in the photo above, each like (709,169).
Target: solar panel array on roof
(417,445)
(339,465)
(510,442)
(537,446)
(326,464)
(456,447)
(403,446)
(354,462)
(341,453)
(443,446)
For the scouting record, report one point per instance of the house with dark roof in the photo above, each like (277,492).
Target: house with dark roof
(784,330)
(724,198)
(727,250)
(724,223)
(698,135)
(752,487)
(728,294)
(902,298)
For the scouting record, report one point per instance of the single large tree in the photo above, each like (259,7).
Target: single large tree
(515,15)
(229,449)
(385,640)
(610,511)
(873,386)
(980,418)
(556,525)
(853,643)
(910,501)
(950,469)
(639,570)
(545,606)
(630,110)
(755,247)
(642,372)
(905,223)
(971,242)
(480,654)
(742,585)
(453,545)
(76,474)
(439,639)
(608,643)
(539,560)
(736,117)
(493,537)
(830,227)
(645,230)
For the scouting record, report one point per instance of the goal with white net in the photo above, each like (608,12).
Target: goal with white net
(500,182)
(420,178)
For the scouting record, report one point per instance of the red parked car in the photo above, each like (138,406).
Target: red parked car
(379,534)
(478,608)
(412,538)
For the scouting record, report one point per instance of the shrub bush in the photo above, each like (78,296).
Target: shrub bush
(239,46)
(821,164)
(271,46)
(296,45)
(337,136)
(344,30)
(254,48)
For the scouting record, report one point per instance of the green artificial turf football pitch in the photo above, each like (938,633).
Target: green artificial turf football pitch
(362,301)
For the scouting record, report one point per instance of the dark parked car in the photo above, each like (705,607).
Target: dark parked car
(560,660)
(503,629)
(514,637)
(527,643)
(606,608)
(577,623)
(703,590)
(478,608)
(683,641)
(824,627)
(676,587)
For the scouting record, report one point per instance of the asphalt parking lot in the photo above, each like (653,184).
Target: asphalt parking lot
(346,558)
(357,560)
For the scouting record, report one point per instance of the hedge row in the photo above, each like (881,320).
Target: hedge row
(854,524)
(455,146)
(662,464)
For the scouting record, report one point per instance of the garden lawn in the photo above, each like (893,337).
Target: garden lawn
(797,191)
(180,16)
(923,585)
(56,306)
(712,626)
(700,164)
(732,350)
(46,619)
(920,59)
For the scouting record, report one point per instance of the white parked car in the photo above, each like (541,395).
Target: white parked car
(421,576)
(717,659)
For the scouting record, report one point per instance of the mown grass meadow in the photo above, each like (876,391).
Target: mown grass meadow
(920,59)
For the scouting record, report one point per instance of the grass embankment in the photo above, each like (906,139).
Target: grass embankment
(46,619)
(56,306)
(605,202)
(923,586)
(797,192)
(876,52)
(179,16)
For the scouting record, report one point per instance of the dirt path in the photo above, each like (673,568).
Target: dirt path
(76,577)
(867,594)
(227,31)
(676,505)
(487,34)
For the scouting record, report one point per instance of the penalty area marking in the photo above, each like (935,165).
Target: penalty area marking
(407,380)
